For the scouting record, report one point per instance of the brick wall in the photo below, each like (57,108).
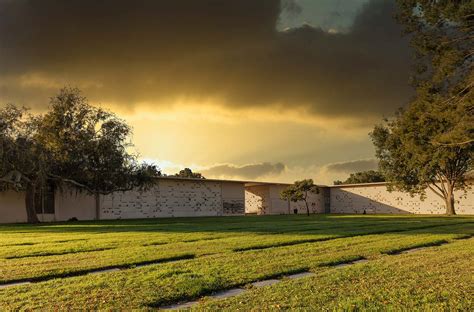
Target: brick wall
(176,198)
(376,199)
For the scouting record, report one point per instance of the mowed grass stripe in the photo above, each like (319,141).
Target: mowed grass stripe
(397,251)
(63,266)
(99,269)
(435,279)
(36,267)
(290,269)
(321,239)
(47,254)
(172,282)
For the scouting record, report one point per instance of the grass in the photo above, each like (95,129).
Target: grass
(193,257)
(436,279)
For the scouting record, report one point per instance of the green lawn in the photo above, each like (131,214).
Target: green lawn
(190,258)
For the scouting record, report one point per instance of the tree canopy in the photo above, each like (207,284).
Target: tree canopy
(429,144)
(74,143)
(300,190)
(24,163)
(442,35)
(369,176)
(188,173)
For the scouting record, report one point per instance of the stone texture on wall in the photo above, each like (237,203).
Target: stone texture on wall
(169,198)
(233,198)
(233,207)
(376,199)
(193,198)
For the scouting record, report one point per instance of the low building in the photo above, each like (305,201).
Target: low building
(182,197)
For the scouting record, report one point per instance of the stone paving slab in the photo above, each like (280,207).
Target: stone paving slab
(300,275)
(359,261)
(227,293)
(178,306)
(104,271)
(412,250)
(14,284)
(265,283)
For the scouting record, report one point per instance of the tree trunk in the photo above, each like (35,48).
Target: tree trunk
(450,211)
(307,208)
(30,204)
(97,206)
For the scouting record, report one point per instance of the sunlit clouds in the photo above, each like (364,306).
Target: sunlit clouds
(248,89)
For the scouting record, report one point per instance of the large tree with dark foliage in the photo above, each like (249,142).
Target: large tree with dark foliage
(24,164)
(72,144)
(90,147)
(442,35)
(430,143)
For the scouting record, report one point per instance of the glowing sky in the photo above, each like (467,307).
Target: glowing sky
(250,89)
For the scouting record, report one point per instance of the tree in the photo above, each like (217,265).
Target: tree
(90,148)
(73,143)
(300,191)
(23,162)
(442,35)
(369,176)
(188,173)
(430,143)
(411,163)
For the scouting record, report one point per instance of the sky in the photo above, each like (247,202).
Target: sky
(270,90)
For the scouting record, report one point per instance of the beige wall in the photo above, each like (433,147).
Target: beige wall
(233,198)
(12,207)
(376,199)
(279,206)
(257,199)
(265,199)
(190,198)
(176,198)
(71,204)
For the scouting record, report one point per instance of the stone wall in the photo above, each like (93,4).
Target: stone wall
(176,198)
(194,198)
(374,198)
(265,199)
(279,206)
(233,198)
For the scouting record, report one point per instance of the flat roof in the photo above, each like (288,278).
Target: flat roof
(196,179)
(246,182)
(360,184)
(256,183)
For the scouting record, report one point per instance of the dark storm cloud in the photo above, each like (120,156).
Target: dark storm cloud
(353,166)
(251,171)
(155,51)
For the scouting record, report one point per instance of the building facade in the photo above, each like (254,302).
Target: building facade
(178,197)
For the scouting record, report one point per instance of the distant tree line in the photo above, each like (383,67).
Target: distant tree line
(188,173)
(369,176)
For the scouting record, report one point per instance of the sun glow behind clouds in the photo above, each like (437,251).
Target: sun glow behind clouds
(201,136)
